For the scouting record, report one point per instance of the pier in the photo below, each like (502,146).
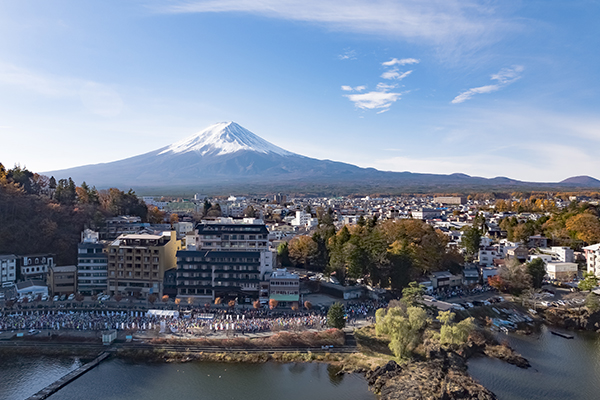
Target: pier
(70,377)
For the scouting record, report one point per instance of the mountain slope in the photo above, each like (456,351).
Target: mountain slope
(584,180)
(228,155)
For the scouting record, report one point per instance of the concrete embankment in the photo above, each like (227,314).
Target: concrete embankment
(70,377)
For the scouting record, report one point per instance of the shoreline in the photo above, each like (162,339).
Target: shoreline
(441,372)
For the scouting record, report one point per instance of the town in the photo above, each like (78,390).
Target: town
(270,250)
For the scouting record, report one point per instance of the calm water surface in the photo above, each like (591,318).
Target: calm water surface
(560,368)
(23,376)
(116,379)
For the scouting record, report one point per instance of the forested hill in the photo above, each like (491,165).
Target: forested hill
(40,215)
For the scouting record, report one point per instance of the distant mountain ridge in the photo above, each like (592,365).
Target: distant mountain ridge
(583,180)
(227,155)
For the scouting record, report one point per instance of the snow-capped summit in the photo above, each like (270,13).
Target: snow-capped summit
(224,138)
(227,155)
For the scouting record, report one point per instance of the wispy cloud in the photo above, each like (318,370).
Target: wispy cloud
(348,55)
(395,74)
(353,89)
(439,22)
(96,97)
(52,86)
(504,77)
(404,61)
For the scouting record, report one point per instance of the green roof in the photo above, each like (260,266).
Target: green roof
(285,297)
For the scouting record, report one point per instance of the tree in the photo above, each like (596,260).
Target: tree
(585,227)
(536,270)
(470,240)
(302,251)
(307,305)
(214,211)
(256,304)
(250,212)
(515,277)
(403,326)
(335,316)
(592,303)
(173,219)
(589,282)
(152,298)
(455,334)
(273,304)
(165,298)
(413,294)
(156,216)
(283,255)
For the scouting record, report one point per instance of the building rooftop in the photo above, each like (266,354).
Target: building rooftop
(27,284)
(65,268)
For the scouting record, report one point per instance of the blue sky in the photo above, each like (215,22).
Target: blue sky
(488,88)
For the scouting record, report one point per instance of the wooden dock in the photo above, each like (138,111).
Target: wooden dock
(564,335)
(70,377)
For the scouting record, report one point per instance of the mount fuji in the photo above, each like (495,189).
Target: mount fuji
(226,155)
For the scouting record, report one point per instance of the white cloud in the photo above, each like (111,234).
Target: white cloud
(380,99)
(395,74)
(353,89)
(404,61)
(464,23)
(348,55)
(385,86)
(505,76)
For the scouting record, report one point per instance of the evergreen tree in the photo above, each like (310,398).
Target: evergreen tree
(335,316)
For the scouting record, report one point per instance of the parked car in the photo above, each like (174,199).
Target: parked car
(55,298)
(45,297)
(63,297)
(71,296)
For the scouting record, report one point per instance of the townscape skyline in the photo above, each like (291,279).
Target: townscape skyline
(482,88)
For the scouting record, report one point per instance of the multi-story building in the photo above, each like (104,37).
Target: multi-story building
(137,263)
(35,267)
(450,200)
(426,213)
(564,254)
(304,219)
(8,268)
(592,257)
(284,287)
(62,280)
(224,260)
(212,274)
(92,264)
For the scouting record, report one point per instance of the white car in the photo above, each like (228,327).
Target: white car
(55,298)
(71,296)
(45,297)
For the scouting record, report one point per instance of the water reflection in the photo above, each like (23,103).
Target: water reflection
(333,371)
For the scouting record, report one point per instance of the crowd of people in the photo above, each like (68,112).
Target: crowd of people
(196,321)
(447,293)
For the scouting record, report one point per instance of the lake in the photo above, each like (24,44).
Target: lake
(560,368)
(117,379)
